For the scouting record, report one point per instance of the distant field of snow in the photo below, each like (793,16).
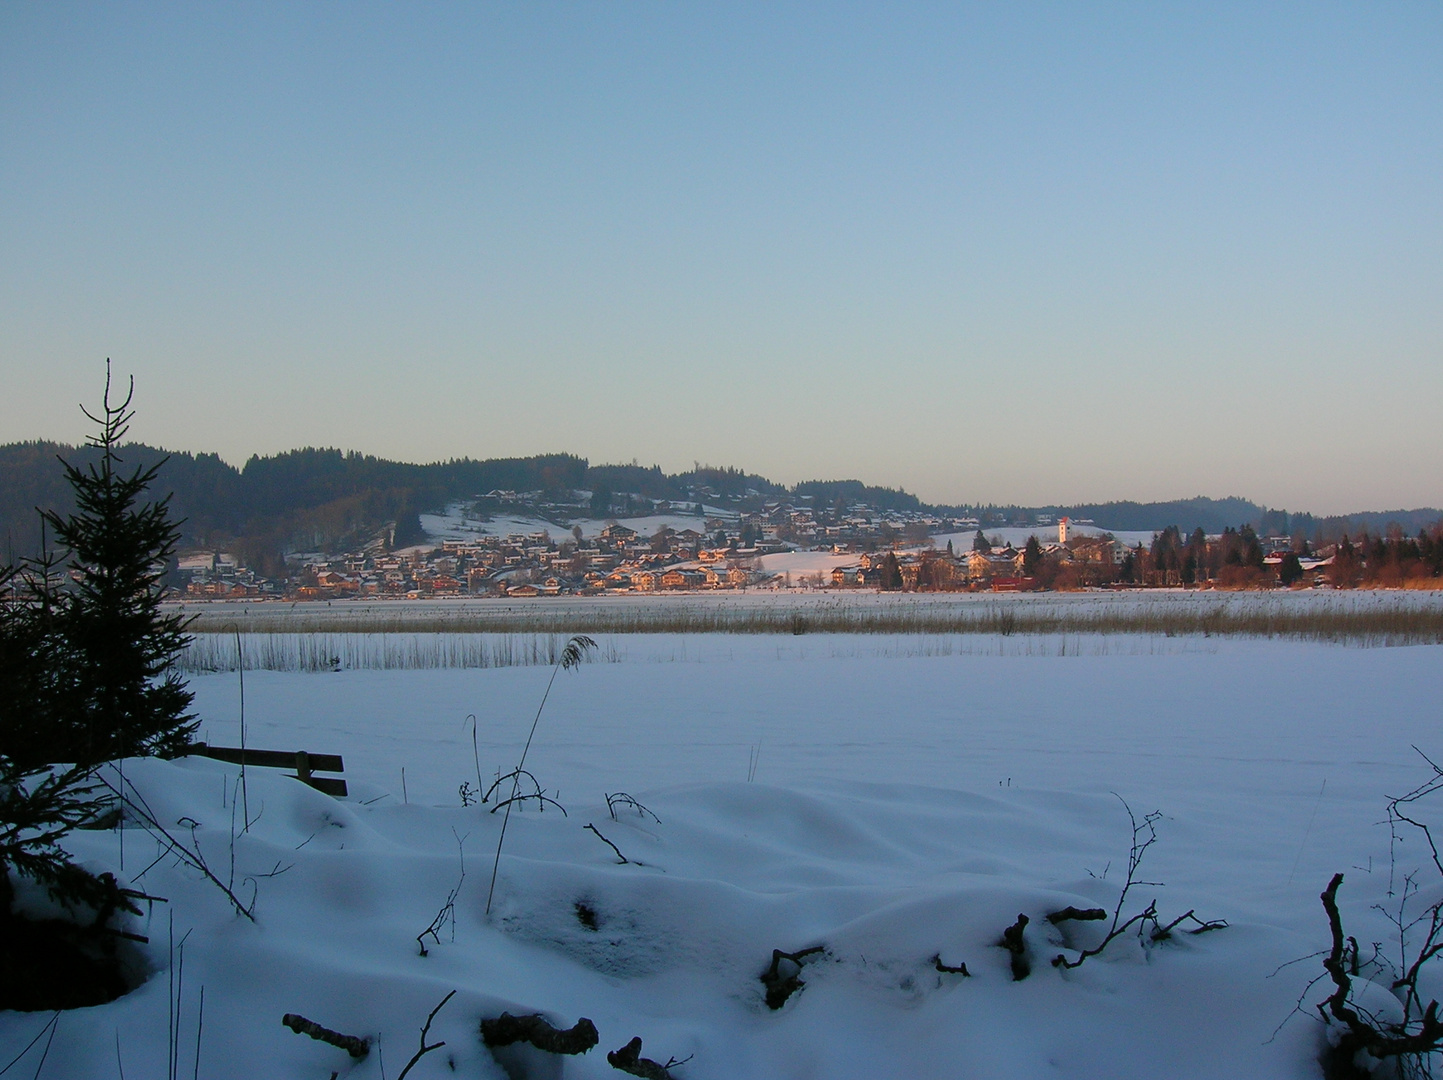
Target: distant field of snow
(806,563)
(907,801)
(455,525)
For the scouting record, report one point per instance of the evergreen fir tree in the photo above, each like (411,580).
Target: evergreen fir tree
(1290,569)
(129,700)
(1252,550)
(1031,557)
(891,572)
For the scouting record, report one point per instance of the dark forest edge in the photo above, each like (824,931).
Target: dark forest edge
(329,500)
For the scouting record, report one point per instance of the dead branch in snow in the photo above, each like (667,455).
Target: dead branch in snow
(621,798)
(447,914)
(537,792)
(514,775)
(1014,943)
(1093,914)
(541,801)
(1419,1033)
(960,969)
(608,843)
(782,983)
(1416,1036)
(1144,835)
(629,1060)
(425,1029)
(506,1029)
(354,1045)
(1162,933)
(130,796)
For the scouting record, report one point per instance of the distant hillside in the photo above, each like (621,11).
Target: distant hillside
(1211,515)
(830,492)
(306,499)
(329,500)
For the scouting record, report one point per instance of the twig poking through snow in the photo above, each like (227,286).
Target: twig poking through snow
(447,914)
(425,1028)
(621,798)
(608,843)
(195,858)
(571,656)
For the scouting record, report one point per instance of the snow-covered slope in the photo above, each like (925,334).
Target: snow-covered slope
(904,806)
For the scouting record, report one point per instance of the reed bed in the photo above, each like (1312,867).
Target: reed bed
(332,651)
(308,652)
(470,637)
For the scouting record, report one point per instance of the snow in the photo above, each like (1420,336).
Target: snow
(808,563)
(910,797)
(453,524)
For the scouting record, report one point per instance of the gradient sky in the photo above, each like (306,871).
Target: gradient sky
(1006,252)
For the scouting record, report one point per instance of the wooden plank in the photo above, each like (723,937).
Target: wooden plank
(272,759)
(327,784)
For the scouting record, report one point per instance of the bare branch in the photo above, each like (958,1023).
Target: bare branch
(608,843)
(425,1028)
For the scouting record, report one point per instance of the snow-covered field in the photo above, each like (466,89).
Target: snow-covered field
(454,524)
(888,798)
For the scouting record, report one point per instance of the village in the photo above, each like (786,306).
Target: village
(783,545)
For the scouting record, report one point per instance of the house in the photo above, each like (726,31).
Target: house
(740,576)
(445,585)
(986,564)
(676,578)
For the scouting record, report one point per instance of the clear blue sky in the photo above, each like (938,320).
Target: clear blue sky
(1012,252)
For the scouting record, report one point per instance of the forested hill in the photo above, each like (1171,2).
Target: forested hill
(1213,515)
(329,499)
(304,498)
